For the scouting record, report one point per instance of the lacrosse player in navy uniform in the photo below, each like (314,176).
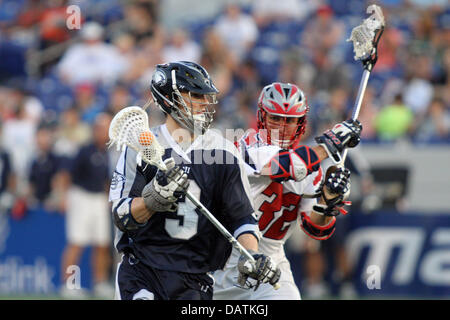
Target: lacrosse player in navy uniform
(169,248)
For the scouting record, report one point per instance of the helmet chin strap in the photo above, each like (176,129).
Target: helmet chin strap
(285,144)
(199,119)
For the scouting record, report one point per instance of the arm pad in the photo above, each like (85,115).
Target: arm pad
(294,164)
(315,231)
(122,217)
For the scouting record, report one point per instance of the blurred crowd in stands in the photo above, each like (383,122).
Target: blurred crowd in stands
(55,83)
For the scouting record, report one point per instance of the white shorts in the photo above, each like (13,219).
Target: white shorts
(226,281)
(88,219)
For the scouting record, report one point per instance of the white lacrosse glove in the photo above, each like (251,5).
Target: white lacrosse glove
(263,270)
(162,193)
(343,135)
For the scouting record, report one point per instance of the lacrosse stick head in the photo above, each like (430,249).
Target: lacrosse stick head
(365,37)
(129,128)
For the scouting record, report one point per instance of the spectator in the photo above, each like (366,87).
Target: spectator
(435,127)
(14,96)
(389,51)
(71,133)
(443,69)
(144,58)
(296,69)
(394,121)
(87,102)
(27,29)
(127,48)
(334,111)
(249,84)
(119,98)
(92,61)
(268,11)
(328,73)
(219,61)
(237,30)
(181,48)
(323,32)
(53,28)
(125,44)
(88,220)
(419,90)
(141,20)
(31,13)
(18,140)
(44,167)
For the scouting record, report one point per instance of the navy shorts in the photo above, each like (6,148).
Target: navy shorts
(136,281)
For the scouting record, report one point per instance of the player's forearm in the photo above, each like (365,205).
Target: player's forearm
(321,152)
(319,219)
(248,241)
(139,211)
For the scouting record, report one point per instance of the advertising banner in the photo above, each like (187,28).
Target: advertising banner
(397,254)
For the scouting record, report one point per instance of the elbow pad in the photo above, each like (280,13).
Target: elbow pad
(315,231)
(294,164)
(122,217)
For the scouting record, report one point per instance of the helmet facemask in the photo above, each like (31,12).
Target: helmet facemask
(282,111)
(282,131)
(194,111)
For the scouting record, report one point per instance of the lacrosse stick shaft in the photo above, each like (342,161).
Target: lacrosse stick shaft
(374,25)
(224,231)
(219,226)
(358,102)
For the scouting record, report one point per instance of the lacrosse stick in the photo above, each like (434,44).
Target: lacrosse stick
(365,38)
(129,127)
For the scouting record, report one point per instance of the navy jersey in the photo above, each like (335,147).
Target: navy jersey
(90,168)
(185,240)
(43,169)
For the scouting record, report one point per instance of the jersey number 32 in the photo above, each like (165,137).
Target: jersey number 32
(278,212)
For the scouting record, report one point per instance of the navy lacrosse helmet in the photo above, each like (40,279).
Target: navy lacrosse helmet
(171,80)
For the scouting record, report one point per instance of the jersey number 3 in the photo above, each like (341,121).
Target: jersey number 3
(280,210)
(185,224)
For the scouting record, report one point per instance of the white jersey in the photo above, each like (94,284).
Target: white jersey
(278,207)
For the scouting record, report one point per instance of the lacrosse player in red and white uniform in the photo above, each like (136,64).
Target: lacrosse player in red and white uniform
(281,172)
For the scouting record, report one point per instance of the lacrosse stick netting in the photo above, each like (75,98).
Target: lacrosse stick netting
(365,37)
(129,127)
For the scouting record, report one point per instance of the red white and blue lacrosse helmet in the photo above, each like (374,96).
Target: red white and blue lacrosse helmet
(283,100)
